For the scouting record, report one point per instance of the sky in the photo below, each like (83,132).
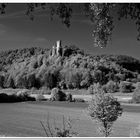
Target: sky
(18,31)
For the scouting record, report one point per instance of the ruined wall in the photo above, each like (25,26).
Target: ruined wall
(57,49)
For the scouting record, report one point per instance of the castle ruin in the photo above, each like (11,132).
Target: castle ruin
(56,49)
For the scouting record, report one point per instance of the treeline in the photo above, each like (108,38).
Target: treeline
(33,67)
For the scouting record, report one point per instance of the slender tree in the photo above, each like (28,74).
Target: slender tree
(106,110)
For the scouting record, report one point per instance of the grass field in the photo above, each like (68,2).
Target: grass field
(23,119)
(73,92)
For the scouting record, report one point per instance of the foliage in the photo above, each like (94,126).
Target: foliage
(135,132)
(126,87)
(21,81)
(106,110)
(4,98)
(45,91)
(78,100)
(87,79)
(68,97)
(75,70)
(94,88)
(136,94)
(51,78)
(62,84)
(10,82)
(72,50)
(1,81)
(102,17)
(111,87)
(23,93)
(57,95)
(103,21)
(39,97)
(137,86)
(63,130)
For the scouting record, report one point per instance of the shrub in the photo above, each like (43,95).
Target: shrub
(39,97)
(23,92)
(126,87)
(62,84)
(104,88)
(111,87)
(136,96)
(4,98)
(68,97)
(33,90)
(2,81)
(23,95)
(57,95)
(137,87)
(45,91)
(135,132)
(7,98)
(93,88)
(78,100)
(64,129)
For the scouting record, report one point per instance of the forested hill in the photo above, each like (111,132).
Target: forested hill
(69,67)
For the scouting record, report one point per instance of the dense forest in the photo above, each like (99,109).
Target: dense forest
(35,67)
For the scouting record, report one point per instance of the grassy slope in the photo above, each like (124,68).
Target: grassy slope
(22,119)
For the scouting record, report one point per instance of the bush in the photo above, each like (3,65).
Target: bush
(57,95)
(33,90)
(62,85)
(68,97)
(111,87)
(135,132)
(45,91)
(136,96)
(4,98)
(78,100)
(93,88)
(64,129)
(23,95)
(126,87)
(137,87)
(40,97)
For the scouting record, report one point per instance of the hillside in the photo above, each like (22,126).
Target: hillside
(68,67)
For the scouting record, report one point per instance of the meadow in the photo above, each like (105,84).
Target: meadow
(23,119)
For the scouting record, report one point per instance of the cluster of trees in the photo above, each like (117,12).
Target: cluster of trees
(33,67)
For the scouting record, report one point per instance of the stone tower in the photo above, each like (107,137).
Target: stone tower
(58,47)
(53,51)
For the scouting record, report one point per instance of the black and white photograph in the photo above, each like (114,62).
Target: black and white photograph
(69,69)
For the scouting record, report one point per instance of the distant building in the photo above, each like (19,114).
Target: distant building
(57,49)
